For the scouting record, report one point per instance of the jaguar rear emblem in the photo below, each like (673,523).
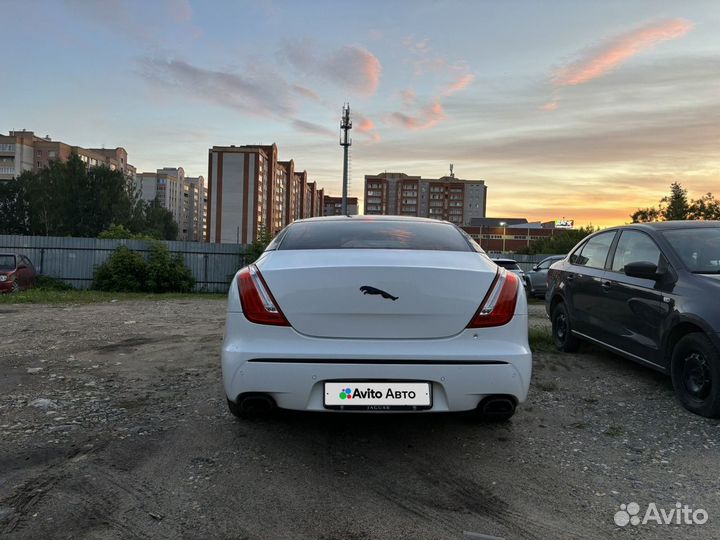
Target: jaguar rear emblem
(367,289)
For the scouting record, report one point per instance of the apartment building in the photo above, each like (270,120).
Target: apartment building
(291,192)
(333,206)
(185,197)
(24,151)
(447,198)
(193,228)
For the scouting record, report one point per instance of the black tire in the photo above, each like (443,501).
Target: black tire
(235,409)
(562,329)
(695,371)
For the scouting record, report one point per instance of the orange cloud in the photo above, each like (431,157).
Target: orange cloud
(367,127)
(460,84)
(550,106)
(616,51)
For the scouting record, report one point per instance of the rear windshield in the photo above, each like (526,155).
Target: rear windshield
(510,265)
(333,234)
(7,262)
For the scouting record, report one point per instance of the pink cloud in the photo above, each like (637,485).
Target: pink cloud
(550,106)
(614,52)
(366,126)
(460,83)
(426,117)
(351,67)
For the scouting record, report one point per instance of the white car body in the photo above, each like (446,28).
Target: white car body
(343,332)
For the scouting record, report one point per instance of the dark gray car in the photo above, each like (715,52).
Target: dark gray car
(649,292)
(537,277)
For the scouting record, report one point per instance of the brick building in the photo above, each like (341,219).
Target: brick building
(447,198)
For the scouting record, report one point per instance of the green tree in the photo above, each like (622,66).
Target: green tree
(645,215)
(159,222)
(676,206)
(67,198)
(13,207)
(258,246)
(706,207)
(120,232)
(559,243)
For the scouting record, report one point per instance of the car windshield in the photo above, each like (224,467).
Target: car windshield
(7,262)
(698,248)
(510,265)
(361,234)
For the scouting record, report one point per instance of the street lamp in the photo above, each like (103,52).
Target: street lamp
(503,225)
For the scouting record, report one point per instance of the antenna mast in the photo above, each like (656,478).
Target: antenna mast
(345,142)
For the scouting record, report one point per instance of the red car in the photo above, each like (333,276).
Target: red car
(16,273)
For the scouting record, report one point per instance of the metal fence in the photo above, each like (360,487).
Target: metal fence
(74,260)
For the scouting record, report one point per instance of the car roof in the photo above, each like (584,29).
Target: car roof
(371,218)
(668,225)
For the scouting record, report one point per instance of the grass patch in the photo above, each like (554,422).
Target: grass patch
(541,339)
(45,296)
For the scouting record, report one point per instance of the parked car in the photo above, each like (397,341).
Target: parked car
(537,277)
(17,273)
(650,293)
(511,265)
(349,313)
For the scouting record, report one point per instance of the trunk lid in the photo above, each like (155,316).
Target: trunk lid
(377,294)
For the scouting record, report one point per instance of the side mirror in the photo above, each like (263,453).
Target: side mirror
(536,268)
(21,266)
(642,269)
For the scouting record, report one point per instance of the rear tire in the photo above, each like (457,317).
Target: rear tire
(695,371)
(562,330)
(234,408)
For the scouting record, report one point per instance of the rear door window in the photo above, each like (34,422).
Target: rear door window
(634,246)
(595,251)
(367,234)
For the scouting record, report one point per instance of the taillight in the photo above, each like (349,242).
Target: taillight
(498,306)
(257,301)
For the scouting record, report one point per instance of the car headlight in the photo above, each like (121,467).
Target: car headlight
(3,278)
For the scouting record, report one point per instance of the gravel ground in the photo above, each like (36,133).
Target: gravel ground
(113,425)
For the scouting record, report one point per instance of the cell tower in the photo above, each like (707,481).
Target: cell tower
(345,142)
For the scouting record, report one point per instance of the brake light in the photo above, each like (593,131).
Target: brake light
(257,301)
(498,306)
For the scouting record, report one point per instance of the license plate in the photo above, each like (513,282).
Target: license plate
(378,396)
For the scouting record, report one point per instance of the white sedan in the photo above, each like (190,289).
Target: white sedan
(384,314)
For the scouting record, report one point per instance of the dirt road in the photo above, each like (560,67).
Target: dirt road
(113,425)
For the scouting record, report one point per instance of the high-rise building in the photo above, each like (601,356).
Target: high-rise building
(195,209)
(237,201)
(447,198)
(249,189)
(333,206)
(185,197)
(24,151)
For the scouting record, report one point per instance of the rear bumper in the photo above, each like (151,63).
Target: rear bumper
(291,368)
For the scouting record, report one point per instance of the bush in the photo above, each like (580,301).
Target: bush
(127,271)
(167,273)
(124,271)
(48,283)
(119,232)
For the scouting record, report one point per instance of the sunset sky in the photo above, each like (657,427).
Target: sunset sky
(579,109)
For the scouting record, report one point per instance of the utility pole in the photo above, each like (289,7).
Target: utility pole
(345,142)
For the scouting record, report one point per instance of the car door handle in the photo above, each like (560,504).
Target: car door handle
(570,277)
(606,285)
